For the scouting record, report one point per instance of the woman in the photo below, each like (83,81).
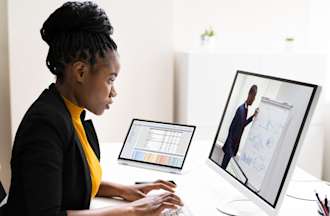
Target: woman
(55,159)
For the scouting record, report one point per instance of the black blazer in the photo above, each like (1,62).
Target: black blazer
(2,197)
(50,173)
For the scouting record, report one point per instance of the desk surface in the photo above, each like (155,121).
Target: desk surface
(201,188)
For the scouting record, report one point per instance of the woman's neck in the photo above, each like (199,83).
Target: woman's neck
(66,90)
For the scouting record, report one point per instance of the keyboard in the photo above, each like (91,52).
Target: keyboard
(182,211)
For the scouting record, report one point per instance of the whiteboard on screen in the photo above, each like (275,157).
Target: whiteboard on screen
(266,133)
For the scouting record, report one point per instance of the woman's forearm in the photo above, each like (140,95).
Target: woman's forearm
(109,189)
(124,210)
(106,189)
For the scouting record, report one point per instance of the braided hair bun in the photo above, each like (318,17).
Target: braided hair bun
(76,30)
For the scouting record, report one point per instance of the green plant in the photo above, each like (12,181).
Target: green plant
(289,39)
(208,33)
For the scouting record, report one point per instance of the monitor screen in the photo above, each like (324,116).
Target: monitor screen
(158,143)
(260,130)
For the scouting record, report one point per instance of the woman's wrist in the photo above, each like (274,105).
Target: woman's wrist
(127,210)
(120,190)
(111,190)
(131,211)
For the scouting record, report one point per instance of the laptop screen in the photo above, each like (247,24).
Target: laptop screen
(157,143)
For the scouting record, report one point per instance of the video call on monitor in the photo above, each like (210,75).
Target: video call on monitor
(259,131)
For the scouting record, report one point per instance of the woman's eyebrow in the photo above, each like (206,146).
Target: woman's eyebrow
(113,74)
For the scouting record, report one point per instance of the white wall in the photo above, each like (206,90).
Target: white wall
(239,24)
(4,98)
(143,32)
(318,25)
(28,72)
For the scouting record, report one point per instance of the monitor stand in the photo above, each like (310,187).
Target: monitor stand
(240,207)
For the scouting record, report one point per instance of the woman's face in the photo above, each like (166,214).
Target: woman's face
(98,89)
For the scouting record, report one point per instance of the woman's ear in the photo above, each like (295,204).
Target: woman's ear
(80,71)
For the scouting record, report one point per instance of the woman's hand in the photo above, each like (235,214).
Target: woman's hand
(143,205)
(153,205)
(138,191)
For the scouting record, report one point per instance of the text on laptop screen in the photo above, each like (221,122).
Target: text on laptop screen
(157,143)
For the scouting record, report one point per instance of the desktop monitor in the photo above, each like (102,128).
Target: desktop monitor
(260,133)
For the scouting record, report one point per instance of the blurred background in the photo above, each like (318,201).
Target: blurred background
(178,61)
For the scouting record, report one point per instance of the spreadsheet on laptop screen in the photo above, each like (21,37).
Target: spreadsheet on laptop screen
(157,143)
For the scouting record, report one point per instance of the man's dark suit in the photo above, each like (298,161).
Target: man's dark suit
(50,173)
(230,148)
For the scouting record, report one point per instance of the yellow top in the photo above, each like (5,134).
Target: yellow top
(93,162)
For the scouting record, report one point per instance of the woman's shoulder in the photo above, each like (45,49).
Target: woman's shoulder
(48,110)
(50,105)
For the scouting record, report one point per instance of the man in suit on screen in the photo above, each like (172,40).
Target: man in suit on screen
(239,122)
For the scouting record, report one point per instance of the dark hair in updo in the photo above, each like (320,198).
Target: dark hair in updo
(76,30)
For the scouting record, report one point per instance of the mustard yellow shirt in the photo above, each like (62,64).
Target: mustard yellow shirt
(93,162)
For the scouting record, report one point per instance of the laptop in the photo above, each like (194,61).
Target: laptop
(156,145)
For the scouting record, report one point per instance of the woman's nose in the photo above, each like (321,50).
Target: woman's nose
(113,92)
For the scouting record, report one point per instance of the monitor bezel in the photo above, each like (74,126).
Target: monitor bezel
(156,164)
(268,207)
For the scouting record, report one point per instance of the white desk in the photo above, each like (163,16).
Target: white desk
(201,188)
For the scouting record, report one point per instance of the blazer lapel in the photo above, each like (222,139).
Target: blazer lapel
(92,138)
(91,134)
